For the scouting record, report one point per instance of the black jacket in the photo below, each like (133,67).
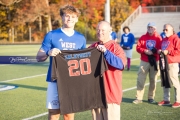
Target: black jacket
(164,71)
(152,61)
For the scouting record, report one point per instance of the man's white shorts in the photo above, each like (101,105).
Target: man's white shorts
(52,96)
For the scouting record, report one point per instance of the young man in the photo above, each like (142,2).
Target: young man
(116,60)
(65,38)
(145,47)
(170,48)
(127,42)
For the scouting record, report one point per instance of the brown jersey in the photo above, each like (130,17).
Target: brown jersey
(79,75)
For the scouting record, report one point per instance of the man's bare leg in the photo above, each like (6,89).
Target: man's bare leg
(53,114)
(69,116)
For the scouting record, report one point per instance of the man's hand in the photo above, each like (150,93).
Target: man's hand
(159,51)
(165,52)
(148,52)
(101,48)
(54,52)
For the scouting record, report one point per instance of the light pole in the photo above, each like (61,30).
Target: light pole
(107,11)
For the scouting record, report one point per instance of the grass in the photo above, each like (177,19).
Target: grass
(29,99)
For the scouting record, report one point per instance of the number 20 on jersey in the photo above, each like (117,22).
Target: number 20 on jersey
(79,67)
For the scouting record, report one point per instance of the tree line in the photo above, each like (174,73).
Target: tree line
(24,20)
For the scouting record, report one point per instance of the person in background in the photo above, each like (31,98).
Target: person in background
(146,47)
(170,48)
(179,38)
(116,60)
(178,33)
(163,35)
(127,42)
(65,38)
(113,35)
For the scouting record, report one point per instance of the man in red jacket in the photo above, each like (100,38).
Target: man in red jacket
(170,48)
(116,60)
(146,47)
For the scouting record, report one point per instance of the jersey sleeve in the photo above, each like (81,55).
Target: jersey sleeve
(113,60)
(46,44)
(117,59)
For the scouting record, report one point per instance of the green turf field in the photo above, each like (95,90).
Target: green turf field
(28,100)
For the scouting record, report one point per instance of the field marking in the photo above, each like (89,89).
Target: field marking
(23,78)
(135,59)
(136,87)
(4,88)
(36,116)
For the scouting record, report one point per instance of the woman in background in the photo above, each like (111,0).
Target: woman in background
(127,41)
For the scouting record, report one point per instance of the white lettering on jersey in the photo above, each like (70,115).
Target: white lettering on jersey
(68,45)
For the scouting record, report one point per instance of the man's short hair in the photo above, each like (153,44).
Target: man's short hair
(69,9)
(171,27)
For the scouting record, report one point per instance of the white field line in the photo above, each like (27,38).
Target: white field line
(135,59)
(36,116)
(136,87)
(22,78)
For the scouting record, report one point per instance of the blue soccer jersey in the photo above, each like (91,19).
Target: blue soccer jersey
(58,39)
(127,40)
(113,35)
(178,34)
(163,35)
